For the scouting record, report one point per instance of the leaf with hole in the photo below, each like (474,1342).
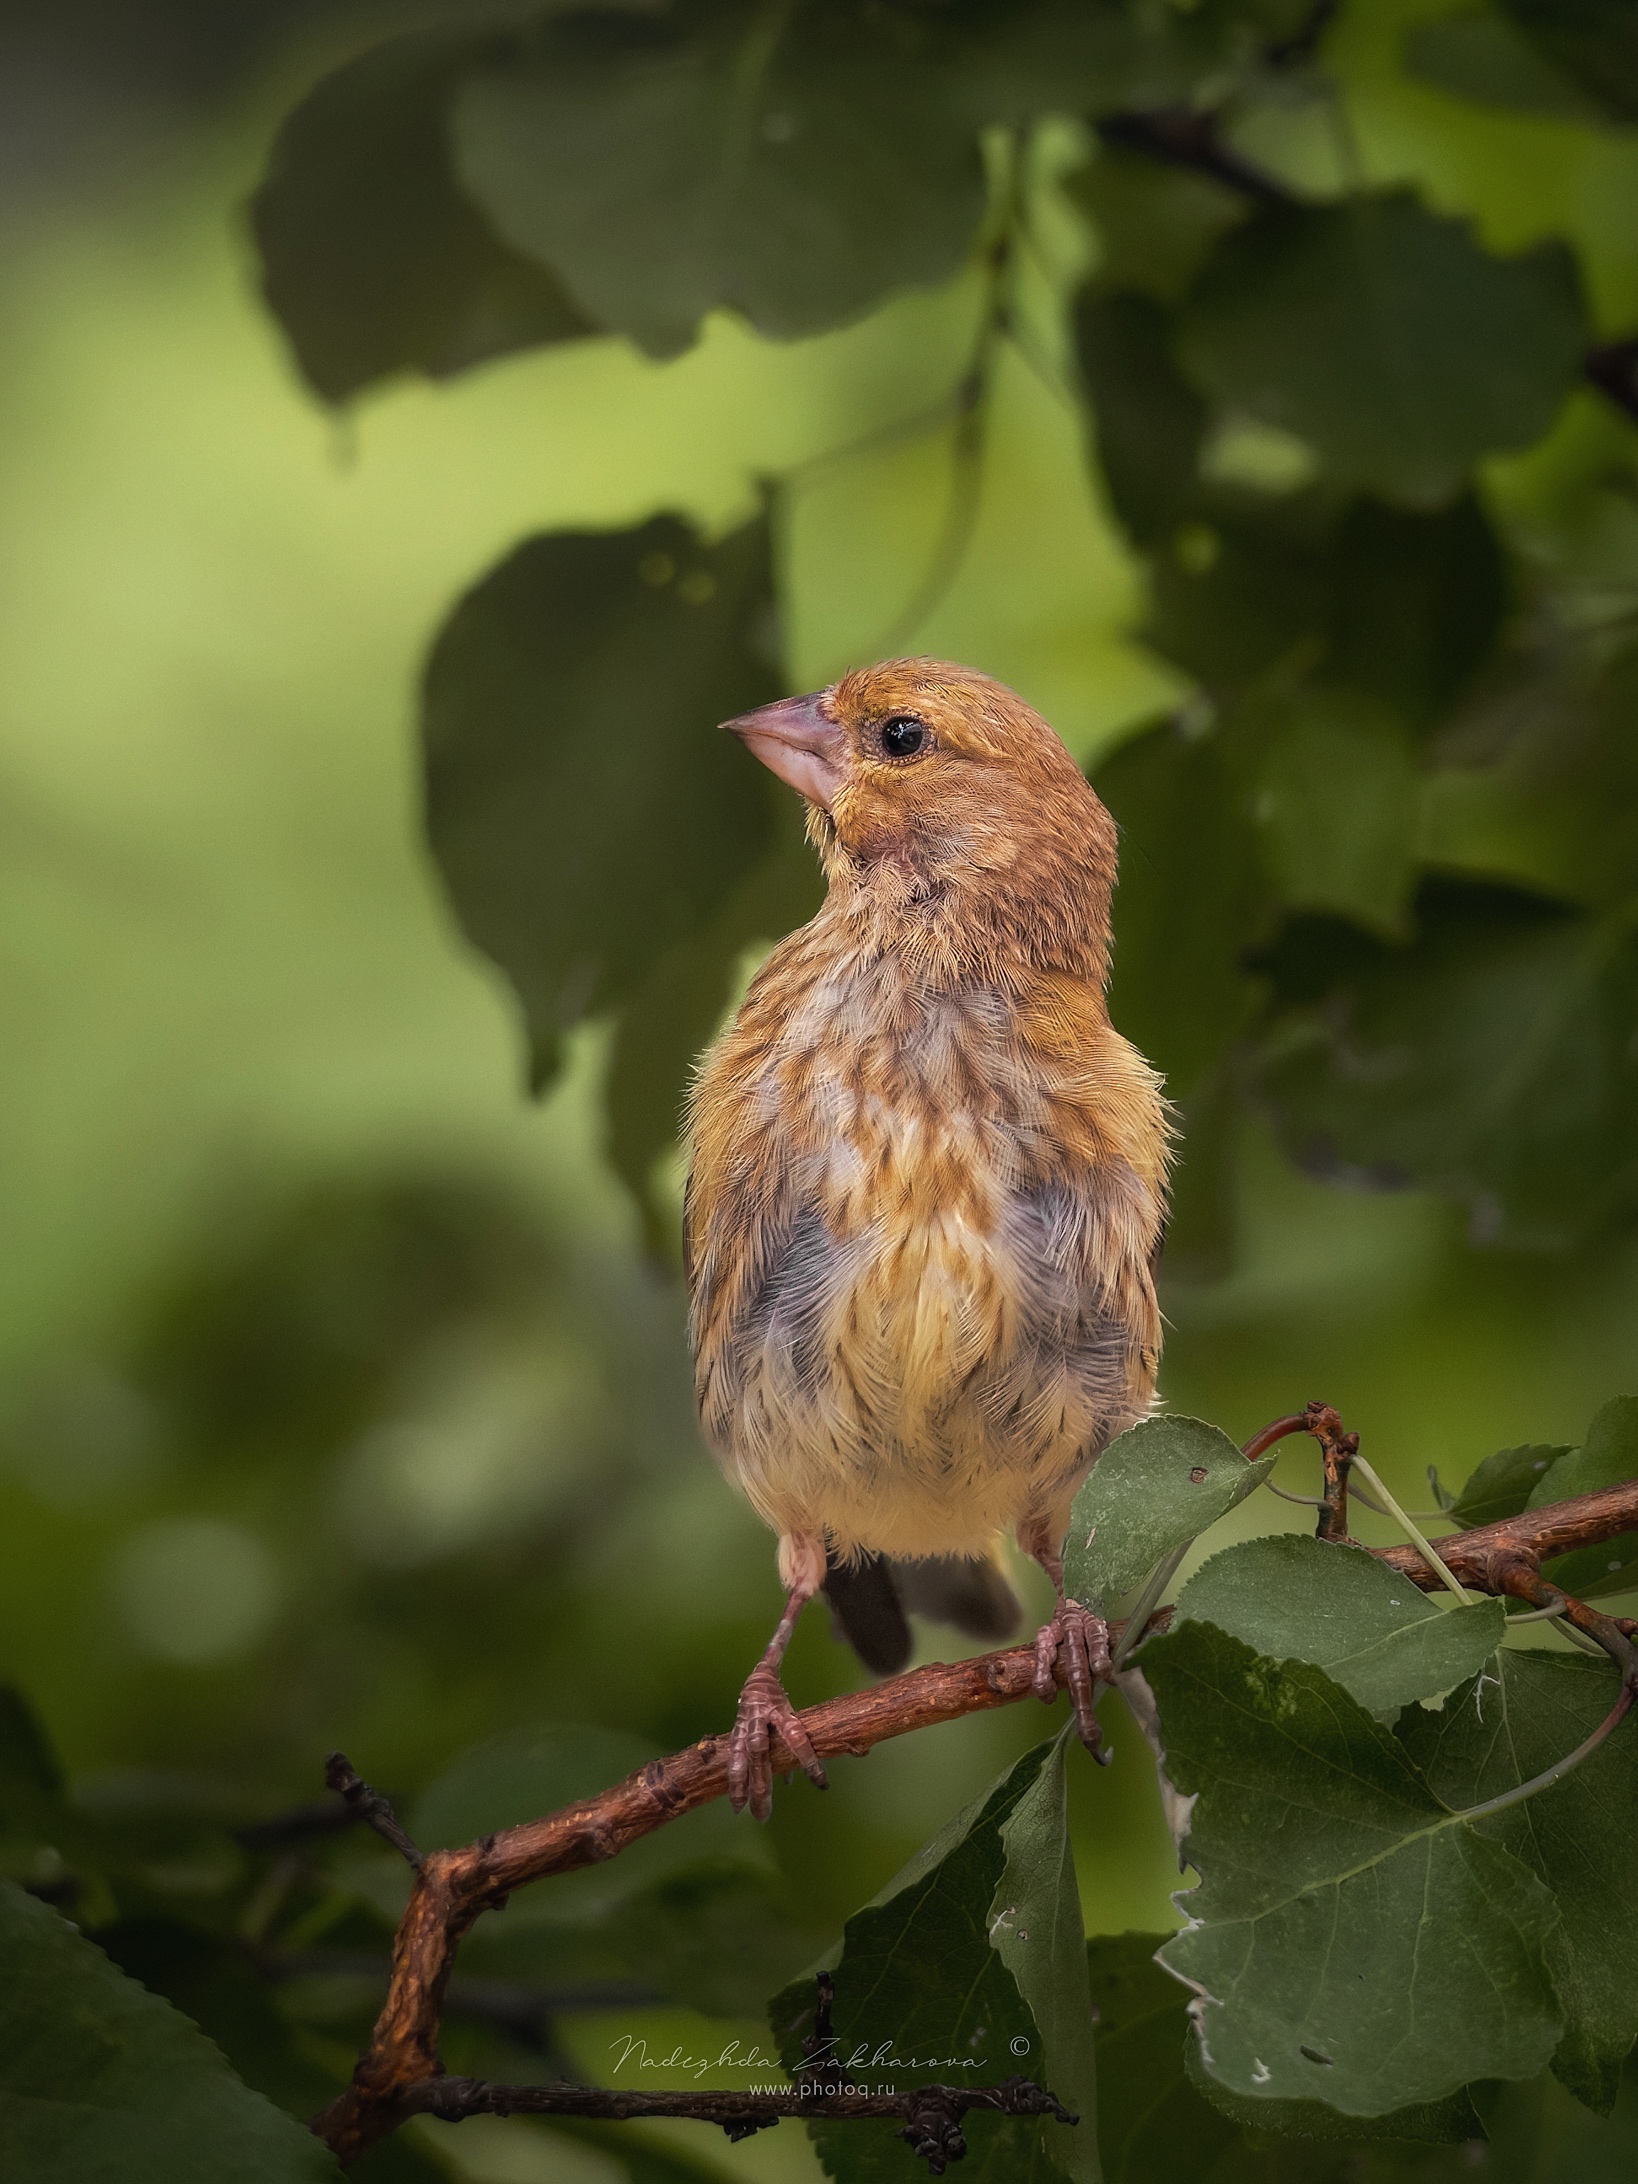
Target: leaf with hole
(1155,1487)
(1295,1599)
(1352,1940)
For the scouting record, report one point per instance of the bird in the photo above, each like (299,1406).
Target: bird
(927,1185)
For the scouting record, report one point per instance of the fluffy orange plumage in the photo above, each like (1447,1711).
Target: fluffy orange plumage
(928,1176)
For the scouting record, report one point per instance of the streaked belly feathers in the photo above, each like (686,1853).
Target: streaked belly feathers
(921,1227)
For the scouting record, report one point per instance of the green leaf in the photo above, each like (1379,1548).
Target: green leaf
(1503,1483)
(1490,1060)
(1383,336)
(675,1010)
(778,161)
(1151,2121)
(1150,422)
(1336,803)
(372,259)
(1161,2116)
(1608,1457)
(1155,224)
(1291,1598)
(1398,604)
(1486,60)
(1037,1929)
(1592,42)
(1352,1940)
(1191,895)
(1517,1721)
(99,2078)
(924,1994)
(1408,2132)
(31,1774)
(215,1980)
(1154,1488)
(584,811)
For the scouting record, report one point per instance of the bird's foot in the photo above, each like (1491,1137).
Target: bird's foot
(764,1710)
(1080,1641)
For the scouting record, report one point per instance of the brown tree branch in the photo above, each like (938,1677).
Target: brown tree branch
(453,1888)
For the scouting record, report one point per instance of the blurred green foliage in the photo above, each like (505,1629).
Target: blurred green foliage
(344,1400)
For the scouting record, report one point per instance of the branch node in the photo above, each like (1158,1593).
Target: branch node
(369,1806)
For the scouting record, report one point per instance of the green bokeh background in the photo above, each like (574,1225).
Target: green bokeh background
(338,1403)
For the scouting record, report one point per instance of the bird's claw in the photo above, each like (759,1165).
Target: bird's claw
(1080,1640)
(764,1710)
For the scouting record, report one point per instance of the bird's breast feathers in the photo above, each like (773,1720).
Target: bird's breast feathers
(921,1227)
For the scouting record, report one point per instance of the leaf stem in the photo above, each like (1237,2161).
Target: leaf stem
(1408,1526)
(1556,1773)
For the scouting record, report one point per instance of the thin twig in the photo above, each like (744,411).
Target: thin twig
(931,2114)
(454,1887)
(369,1806)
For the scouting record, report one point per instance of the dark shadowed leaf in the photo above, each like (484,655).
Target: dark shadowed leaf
(1150,422)
(1291,1598)
(1160,2117)
(1353,1941)
(672,1013)
(1190,896)
(1503,1483)
(1151,2121)
(1155,225)
(583,808)
(1608,1457)
(1592,42)
(1488,60)
(784,163)
(1491,1060)
(924,1995)
(1335,802)
(215,1980)
(99,2078)
(1519,1719)
(1157,1486)
(373,260)
(1383,336)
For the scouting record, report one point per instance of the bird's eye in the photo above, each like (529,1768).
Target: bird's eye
(903,736)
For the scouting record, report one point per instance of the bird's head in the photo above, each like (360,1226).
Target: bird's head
(938,797)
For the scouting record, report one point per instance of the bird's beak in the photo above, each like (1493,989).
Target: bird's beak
(799,741)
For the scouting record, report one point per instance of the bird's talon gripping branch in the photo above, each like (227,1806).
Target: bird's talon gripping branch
(1080,1641)
(764,1711)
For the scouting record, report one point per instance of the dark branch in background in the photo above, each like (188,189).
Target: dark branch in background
(453,1888)
(369,1806)
(1180,136)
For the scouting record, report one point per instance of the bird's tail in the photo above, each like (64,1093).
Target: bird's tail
(871,1602)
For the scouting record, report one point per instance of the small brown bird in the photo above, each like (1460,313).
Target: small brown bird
(928,1184)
